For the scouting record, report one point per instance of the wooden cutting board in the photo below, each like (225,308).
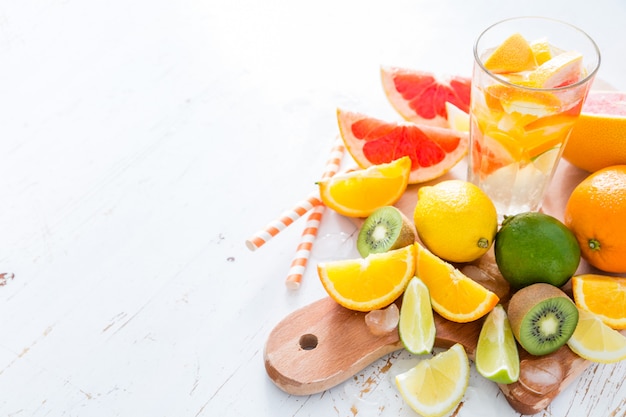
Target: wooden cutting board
(324,344)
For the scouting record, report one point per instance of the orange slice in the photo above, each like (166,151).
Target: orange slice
(453,295)
(513,55)
(421,97)
(433,150)
(371,283)
(358,193)
(604,296)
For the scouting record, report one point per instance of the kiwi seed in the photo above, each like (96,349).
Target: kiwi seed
(387,228)
(542,318)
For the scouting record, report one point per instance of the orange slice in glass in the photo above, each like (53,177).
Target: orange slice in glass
(513,55)
(370,283)
(453,295)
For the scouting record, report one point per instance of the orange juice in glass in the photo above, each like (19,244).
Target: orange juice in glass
(531,76)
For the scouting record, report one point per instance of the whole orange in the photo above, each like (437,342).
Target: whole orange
(596,213)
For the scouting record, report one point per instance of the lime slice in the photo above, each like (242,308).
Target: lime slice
(595,341)
(435,386)
(417,324)
(497,358)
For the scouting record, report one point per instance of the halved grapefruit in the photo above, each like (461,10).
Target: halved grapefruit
(598,138)
(433,150)
(420,96)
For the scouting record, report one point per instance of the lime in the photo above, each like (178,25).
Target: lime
(455,220)
(535,247)
(417,324)
(435,386)
(497,358)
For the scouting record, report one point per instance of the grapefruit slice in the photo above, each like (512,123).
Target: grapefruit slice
(598,138)
(433,150)
(513,55)
(421,97)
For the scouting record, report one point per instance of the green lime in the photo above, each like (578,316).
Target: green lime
(535,247)
(417,324)
(497,358)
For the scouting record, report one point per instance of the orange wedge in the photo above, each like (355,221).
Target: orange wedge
(604,296)
(371,283)
(453,295)
(513,55)
(359,193)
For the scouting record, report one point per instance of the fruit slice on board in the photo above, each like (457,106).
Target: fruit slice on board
(595,341)
(435,386)
(387,228)
(433,150)
(453,295)
(417,324)
(605,296)
(598,139)
(372,283)
(497,358)
(421,97)
(359,193)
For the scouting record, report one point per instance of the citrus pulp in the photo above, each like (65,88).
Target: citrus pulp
(433,150)
(371,283)
(421,97)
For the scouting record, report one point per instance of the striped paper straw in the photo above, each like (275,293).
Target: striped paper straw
(303,251)
(298,265)
(285,219)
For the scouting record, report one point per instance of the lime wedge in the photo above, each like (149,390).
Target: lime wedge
(417,324)
(497,358)
(435,386)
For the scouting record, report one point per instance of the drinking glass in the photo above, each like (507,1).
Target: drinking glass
(517,129)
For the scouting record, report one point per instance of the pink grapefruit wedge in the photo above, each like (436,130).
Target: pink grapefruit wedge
(420,96)
(598,138)
(433,150)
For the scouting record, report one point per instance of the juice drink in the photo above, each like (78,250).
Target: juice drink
(527,93)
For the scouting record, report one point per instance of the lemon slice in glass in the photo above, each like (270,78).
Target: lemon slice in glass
(595,341)
(435,386)
(497,358)
(417,324)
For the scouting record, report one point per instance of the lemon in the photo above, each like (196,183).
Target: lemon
(435,386)
(417,324)
(497,358)
(455,220)
(595,341)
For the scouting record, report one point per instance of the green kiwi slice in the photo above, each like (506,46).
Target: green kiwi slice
(542,318)
(387,228)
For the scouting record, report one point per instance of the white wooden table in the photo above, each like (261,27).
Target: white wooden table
(142,142)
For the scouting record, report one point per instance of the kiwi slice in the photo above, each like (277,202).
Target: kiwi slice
(387,228)
(542,318)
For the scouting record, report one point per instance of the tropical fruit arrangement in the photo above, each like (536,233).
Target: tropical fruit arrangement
(443,257)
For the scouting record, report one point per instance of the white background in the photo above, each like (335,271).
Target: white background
(142,142)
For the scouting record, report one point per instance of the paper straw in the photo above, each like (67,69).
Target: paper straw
(285,219)
(301,207)
(303,251)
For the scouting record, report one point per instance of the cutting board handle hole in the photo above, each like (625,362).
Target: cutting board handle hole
(308,341)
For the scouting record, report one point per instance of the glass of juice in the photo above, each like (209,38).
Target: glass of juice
(531,76)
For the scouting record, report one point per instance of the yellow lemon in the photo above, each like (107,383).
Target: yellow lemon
(455,220)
